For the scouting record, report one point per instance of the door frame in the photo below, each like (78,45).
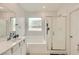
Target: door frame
(70,21)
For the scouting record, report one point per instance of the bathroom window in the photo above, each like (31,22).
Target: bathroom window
(35,24)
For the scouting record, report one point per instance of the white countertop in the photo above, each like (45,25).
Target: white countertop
(6,45)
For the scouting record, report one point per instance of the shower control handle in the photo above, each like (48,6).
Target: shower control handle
(71,36)
(47,28)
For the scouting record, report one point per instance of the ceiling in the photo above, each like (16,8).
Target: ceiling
(32,7)
(36,7)
(3,9)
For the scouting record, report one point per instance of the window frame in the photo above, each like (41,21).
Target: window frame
(35,29)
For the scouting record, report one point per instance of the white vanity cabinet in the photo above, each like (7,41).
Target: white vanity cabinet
(8,52)
(17,48)
(20,48)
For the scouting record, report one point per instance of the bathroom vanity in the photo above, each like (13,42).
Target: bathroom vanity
(13,47)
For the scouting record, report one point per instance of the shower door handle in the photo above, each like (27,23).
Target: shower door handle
(71,36)
(47,28)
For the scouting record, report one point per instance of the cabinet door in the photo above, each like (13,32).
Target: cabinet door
(7,52)
(17,49)
(24,48)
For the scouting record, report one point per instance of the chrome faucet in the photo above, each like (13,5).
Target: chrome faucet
(10,36)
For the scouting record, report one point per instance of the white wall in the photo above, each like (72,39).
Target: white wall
(15,8)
